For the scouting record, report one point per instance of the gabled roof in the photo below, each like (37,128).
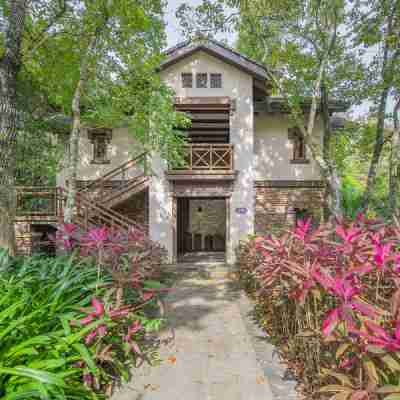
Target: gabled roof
(216,49)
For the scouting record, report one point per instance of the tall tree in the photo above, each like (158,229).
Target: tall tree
(107,54)
(10,63)
(377,28)
(24,25)
(394,169)
(302,45)
(91,60)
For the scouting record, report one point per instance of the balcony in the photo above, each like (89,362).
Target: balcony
(206,160)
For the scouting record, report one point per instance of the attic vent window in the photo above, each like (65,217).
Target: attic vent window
(187,80)
(216,81)
(201,80)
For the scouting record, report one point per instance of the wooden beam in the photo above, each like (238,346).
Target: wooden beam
(209,125)
(203,100)
(215,132)
(209,116)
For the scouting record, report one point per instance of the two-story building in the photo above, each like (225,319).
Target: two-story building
(248,170)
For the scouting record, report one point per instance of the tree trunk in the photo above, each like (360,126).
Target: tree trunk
(327,169)
(394,169)
(74,153)
(76,127)
(333,196)
(379,141)
(387,77)
(9,118)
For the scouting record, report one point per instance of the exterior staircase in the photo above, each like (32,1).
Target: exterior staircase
(93,204)
(119,184)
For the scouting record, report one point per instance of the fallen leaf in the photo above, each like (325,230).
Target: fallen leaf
(171,359)
(260,379)
(151,386)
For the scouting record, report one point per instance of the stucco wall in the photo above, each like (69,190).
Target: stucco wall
(262,151)
(239,86)
(273,150)
(122,148)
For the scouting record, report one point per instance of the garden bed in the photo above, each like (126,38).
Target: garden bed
(329,299)
(73,326)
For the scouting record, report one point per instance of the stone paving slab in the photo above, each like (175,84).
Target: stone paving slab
(212,355)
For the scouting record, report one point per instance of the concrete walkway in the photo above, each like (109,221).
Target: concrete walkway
(212,349)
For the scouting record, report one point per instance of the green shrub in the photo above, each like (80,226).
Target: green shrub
(64,331)
(38,350)
(351,191)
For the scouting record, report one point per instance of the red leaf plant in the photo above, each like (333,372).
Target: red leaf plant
(117,326)
(330,298)
(131,265)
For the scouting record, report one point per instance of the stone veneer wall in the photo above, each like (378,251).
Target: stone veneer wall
(276,202)
(212,219)
(23,238)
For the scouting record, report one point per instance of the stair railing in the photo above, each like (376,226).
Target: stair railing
(88,214)
(103,186)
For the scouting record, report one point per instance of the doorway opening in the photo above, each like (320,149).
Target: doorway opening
(41,239)
(201,227)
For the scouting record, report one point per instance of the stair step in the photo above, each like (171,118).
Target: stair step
(205,270)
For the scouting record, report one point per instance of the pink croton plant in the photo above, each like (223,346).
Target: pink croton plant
(303,229)
(99,312)
(346,291)
(377,336)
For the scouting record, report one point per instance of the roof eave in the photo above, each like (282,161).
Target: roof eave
(279,105)
(203,47)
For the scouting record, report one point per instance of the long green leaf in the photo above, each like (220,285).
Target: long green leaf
(35,374)
(87,357)
(10,311)
(37,340)
(17,323)
(47,365)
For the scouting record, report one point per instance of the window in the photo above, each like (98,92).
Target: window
(216,81)
(100,140)
(299,146)
(201,80)
(187,80)
(100,149)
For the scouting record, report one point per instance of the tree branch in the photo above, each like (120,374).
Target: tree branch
(43,34)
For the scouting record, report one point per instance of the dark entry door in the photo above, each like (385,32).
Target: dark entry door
(184,244)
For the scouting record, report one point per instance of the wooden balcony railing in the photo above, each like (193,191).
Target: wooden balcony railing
(38,201)
(208,157)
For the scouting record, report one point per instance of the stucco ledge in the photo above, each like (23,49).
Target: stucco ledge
(176,175)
